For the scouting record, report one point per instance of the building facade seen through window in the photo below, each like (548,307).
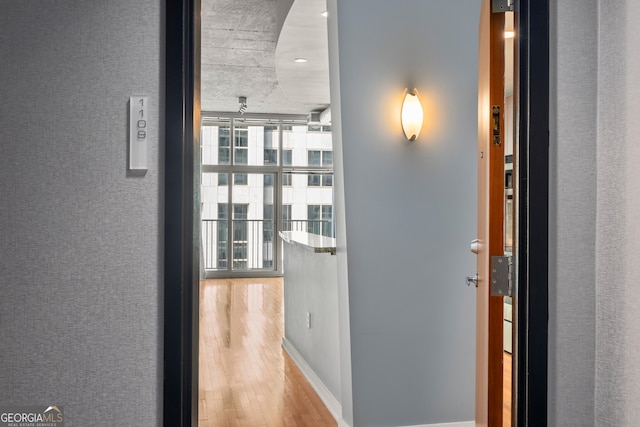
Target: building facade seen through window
(258,178)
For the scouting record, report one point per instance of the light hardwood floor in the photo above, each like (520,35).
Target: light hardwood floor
(246,379)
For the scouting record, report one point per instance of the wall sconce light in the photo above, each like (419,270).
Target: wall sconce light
(412,115)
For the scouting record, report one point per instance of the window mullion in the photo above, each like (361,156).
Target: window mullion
(230,187)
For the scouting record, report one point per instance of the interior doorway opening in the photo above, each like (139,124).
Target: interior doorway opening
(181,271)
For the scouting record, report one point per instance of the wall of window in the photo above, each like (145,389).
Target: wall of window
(271,175)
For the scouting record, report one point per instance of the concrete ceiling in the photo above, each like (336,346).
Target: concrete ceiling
(245,53)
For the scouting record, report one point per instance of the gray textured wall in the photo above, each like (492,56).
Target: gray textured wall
(572,261)
(618,217)
(612,346)
(80,240)
(594,325)
(410,209)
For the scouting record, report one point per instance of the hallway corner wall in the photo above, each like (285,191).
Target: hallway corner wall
(409,208)
(342,279)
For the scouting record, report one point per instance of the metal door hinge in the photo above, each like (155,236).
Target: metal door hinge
(501,276)
(499,6)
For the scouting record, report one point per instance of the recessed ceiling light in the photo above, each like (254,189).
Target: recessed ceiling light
(300,60)
(509,34)
(325,14)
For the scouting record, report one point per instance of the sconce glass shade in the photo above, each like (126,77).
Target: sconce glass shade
(412,115)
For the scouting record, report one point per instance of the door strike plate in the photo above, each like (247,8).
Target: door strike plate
(501,276)
(499,6)
(496,136)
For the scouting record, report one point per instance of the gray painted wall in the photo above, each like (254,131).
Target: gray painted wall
(80,239)
(410,209)
(310,287)
(594,319)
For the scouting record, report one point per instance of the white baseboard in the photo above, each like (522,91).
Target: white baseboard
(332,404)
(459,424)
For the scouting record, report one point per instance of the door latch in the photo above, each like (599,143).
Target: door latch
(501,276)
(472,280)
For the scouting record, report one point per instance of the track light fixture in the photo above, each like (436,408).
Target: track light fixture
(243,104)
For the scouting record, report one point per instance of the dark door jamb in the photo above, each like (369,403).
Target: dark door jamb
(533,263)
(181,225)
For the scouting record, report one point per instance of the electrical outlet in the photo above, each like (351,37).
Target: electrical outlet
(308,320)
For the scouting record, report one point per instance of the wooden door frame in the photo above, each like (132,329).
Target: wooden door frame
(181,254)
(495,184)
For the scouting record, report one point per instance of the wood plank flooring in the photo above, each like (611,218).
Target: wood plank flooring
(246,379)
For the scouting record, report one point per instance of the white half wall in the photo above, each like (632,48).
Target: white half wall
(310,289)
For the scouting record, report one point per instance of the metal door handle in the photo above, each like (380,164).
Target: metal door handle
(472,279)
(475,246)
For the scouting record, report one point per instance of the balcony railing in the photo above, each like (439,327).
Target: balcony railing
(252,241)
